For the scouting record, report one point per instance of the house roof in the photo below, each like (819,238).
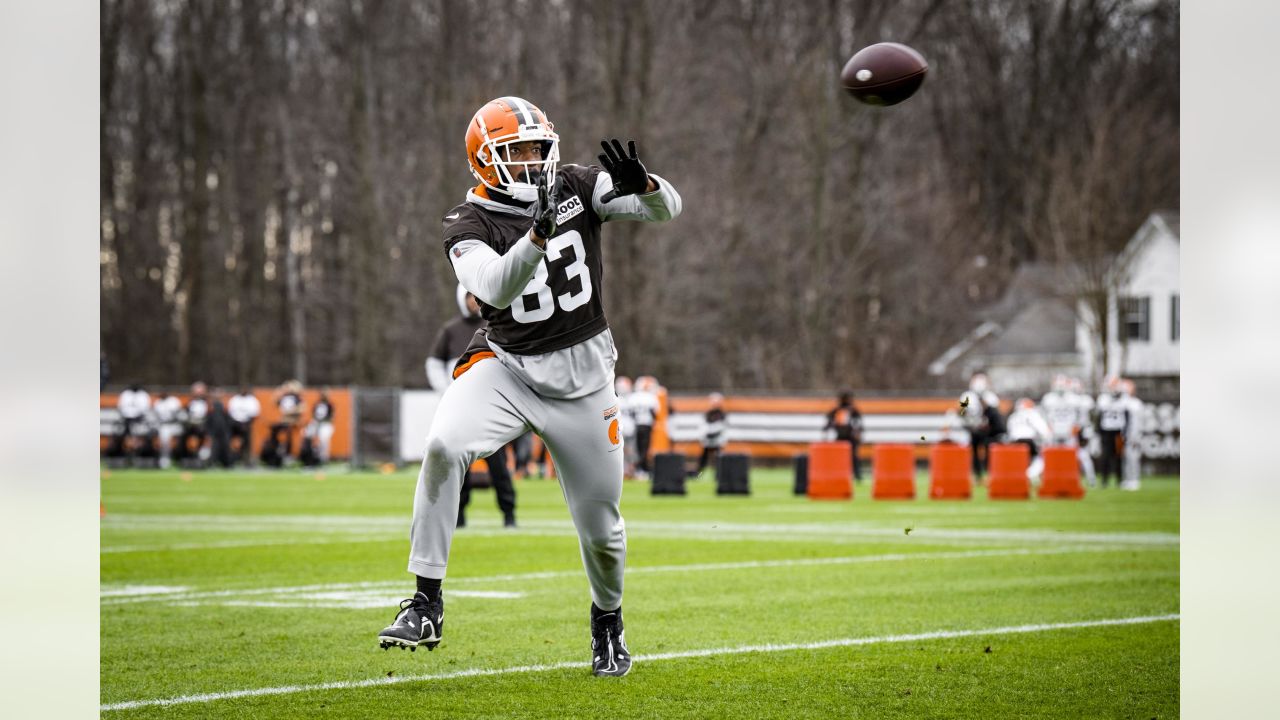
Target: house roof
(1171,219)
(1031,282)
(1160,222)
(1044,327)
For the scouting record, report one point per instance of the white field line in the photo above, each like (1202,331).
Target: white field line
(680,655)
(111,596)
(135,590)
(333,529)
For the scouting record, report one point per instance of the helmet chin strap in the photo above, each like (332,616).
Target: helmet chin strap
(505,198)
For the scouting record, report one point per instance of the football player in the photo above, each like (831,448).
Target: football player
(980,413)
(1027,426)
(1132,475)
(713,437)
(1113,419)
(645,406)
(527,243)
(1063,411)
(845,423)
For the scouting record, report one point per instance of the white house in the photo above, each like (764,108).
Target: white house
(1143,329)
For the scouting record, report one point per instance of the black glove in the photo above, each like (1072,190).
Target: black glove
(544,211)
(628,173)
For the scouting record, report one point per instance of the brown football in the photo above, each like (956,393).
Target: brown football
(884,74)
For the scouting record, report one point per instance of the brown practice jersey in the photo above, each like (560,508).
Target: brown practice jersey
(563,303)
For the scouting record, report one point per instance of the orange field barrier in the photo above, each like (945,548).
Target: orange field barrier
(949,477)
(830,471)
(893,472)
(1061,477)
(1008,472)
(340,398)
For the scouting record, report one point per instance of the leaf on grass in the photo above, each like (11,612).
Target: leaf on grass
(391,673)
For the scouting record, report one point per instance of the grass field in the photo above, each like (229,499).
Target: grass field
(259,595)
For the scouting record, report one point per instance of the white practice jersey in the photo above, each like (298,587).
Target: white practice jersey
(644,407)
(243,408)
(1062,412)
(167,409)
(1084,411)
(133,404)
(1112,413)
(197,408)
(1028,425)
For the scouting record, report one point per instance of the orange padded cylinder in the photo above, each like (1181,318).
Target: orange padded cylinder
(949,477)
(1061,477)
(893,469)
(830,471)
(1008,471)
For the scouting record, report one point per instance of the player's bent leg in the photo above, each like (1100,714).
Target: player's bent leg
(477,415)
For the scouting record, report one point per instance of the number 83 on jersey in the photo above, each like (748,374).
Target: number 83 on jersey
(568,301)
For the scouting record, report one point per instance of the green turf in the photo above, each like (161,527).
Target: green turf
(284,579)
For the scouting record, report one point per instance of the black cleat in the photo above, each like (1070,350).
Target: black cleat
(609,654)
(419,622)
(509,521)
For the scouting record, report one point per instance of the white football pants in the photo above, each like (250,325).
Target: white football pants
(485,409)
(1132,463)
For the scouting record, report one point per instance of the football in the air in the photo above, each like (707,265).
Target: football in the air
(884,74)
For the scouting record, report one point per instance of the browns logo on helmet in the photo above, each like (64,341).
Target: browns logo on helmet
(500,123)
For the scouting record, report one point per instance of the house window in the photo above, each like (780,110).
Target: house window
(1135,318)
(1175,313)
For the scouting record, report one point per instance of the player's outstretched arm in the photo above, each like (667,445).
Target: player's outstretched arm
(627,191)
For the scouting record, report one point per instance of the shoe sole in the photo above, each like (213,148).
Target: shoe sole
(387,641)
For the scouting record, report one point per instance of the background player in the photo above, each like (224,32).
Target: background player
(644,406)
(1027,426)
(1063,410)
(1113,418)
(527,243)
(713,435)
(1132,463)
(846,421)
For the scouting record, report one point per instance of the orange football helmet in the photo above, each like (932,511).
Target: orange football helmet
(496,125)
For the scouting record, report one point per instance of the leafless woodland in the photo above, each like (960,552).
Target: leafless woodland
(273,174)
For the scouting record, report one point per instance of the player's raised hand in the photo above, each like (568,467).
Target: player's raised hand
(544,211)
(626,170)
